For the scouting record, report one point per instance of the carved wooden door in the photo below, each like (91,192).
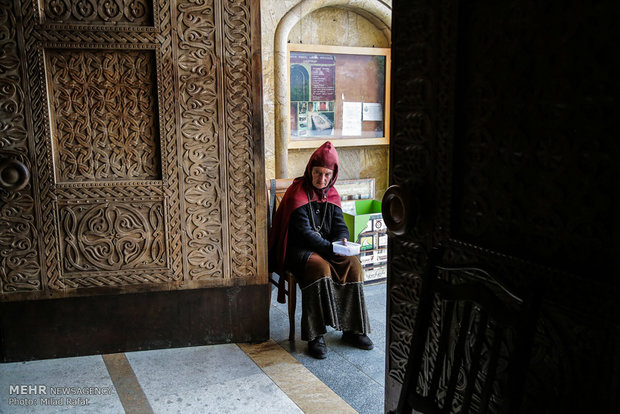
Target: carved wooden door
(138,123)
(504,120)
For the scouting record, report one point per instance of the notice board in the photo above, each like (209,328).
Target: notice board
(338,93)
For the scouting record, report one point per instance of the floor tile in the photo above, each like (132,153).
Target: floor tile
(360,391)
(378,335)
(73,376)
(278,325)
(356,375)
(303,387)
(371,363)
(207,379)
(128,388)
(162,372)
(253,394)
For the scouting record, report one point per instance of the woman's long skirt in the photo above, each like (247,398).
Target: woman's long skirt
(332,294)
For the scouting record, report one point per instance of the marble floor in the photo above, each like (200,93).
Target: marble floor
(357,376)
(276,376)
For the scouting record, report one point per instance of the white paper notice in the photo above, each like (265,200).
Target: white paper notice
(352,118)
(372,112)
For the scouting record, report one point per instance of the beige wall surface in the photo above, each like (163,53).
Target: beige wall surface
(345,25)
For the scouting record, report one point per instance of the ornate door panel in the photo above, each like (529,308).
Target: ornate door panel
(105,191)
(505,133)
(139,124)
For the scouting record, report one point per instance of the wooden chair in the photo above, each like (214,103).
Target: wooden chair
(471,343)
(275,191)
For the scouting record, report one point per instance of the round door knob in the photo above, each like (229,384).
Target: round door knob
(14,175)
(397,209)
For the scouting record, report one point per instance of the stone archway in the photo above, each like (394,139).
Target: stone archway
(377,12)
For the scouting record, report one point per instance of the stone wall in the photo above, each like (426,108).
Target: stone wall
(345,26)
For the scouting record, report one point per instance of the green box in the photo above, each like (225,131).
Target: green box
(365,211)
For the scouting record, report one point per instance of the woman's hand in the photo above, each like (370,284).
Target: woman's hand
(344,243)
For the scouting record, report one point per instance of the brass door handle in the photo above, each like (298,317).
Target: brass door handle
(14,174)
(399,210)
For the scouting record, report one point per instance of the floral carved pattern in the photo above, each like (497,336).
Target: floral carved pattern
(484,330)
(19,259)
(218,139)
(239,137)
(104,115)
(201,138)
(19,267)
(112,237)
(129,12)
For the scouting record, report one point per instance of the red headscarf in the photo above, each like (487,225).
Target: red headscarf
(296,196)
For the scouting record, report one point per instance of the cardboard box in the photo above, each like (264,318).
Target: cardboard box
(367,216)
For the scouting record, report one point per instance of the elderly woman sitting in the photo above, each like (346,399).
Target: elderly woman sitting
(306,223)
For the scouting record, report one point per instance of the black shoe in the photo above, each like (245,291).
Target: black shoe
(317,348)
(361,341)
